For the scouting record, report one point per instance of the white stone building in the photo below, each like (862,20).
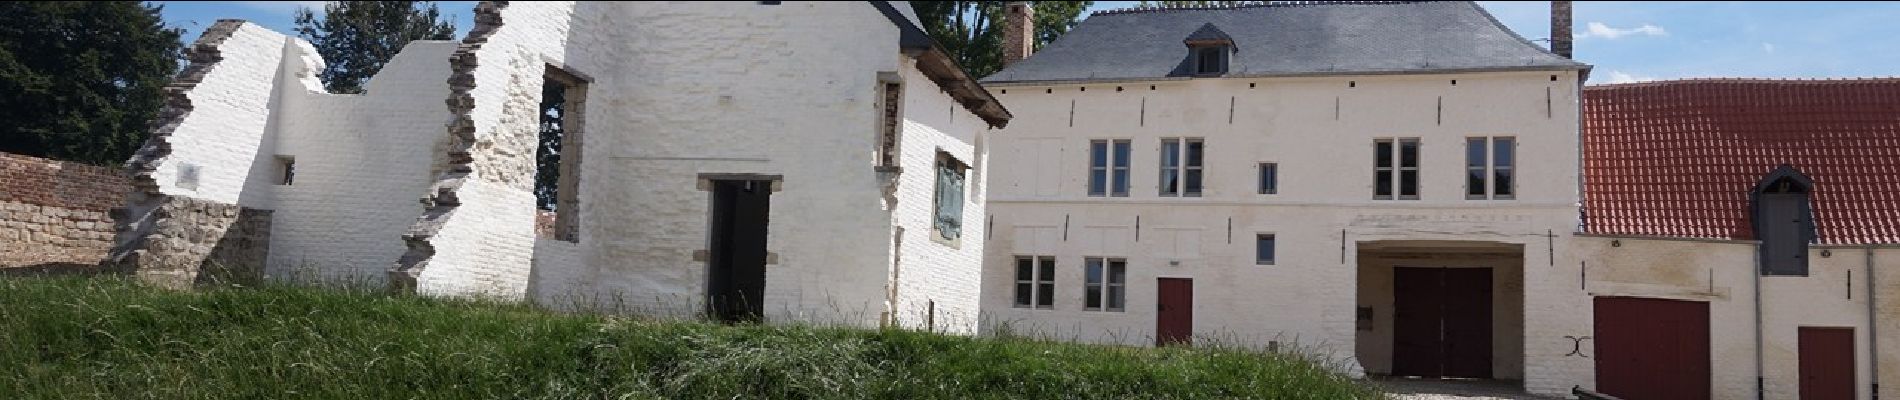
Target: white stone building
(1272,176)
(808,161)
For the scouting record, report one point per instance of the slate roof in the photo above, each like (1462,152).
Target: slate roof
(937,65)
(1208,32)
(1288,38)
(1679,158)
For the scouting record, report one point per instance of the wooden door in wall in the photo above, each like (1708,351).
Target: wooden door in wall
(736,277)
(1441,322)
(1174,311)
(1827,363)
(1652,349)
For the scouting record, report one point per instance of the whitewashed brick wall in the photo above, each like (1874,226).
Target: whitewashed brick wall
(228,122)
(948,274)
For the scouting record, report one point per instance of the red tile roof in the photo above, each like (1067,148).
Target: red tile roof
(1678,158)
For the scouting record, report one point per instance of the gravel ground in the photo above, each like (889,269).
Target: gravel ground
(1435,389)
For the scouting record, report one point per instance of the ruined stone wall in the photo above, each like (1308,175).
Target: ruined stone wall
(475,236)
(54,212)
(194,196)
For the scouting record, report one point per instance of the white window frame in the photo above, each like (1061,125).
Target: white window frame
(1037,278)
(1111,166)
(1398,168)
(1182,168)
(1490,169)
(1103,288)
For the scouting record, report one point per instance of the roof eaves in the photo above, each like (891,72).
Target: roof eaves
(937,64)
(1292,74)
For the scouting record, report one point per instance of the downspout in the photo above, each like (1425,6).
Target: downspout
(1760,388)
(1873,328)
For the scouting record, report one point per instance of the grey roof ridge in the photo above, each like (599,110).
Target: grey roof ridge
(1291,75)
(1141,10)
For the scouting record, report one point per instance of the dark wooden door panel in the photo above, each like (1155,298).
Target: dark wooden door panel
(1652,349)
(1417,347)
(1174,317)
(1467,325)
(736,285)
(1827,363)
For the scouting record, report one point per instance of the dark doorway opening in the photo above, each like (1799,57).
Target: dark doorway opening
(1174,306)
(1652,349)
(736,287)
(1441,322)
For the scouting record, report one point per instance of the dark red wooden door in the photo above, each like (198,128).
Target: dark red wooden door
(1652,349)
(1417,348)
(1827,363)
(1467,326)
(1442,322)
(1174,316)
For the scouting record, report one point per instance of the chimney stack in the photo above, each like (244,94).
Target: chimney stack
(1019,31)
(1560,28)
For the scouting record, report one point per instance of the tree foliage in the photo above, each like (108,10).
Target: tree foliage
(972,31)
(356,38)
(82,81)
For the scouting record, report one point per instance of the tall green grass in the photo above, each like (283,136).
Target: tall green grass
(77,338)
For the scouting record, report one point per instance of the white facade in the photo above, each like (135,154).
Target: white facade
(674,93)
(1330,232)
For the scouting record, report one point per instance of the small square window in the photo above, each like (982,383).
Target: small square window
(1263,249)
(286,170)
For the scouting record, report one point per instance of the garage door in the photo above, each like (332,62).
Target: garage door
(1652,349)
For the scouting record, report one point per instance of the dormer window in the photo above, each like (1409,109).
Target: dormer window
(1208,61)
(1208,51)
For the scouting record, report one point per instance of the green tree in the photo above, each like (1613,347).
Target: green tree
(82,81)
(972,30)
(356,38)
(1177,3)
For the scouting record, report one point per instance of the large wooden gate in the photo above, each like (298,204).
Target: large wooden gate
(1442,322)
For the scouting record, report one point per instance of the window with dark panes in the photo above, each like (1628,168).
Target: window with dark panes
(1476,164)
(1382,169)
(1263,249)
(1503,170)
(1035,282)
(1170,167)
(1108,168)
(1395,169)
(1488,168)
(1104,282)
(1210,60)
(1269,178)
(1195,152)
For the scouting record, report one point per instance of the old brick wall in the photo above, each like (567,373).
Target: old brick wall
(55,212)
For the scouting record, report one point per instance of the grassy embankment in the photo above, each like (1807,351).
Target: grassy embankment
(69,338)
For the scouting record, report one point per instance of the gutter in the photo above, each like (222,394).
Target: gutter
(1873,328)
(1342,73)
(1760,388)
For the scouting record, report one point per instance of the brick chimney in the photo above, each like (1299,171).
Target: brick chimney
(1019,31)
(1560,28)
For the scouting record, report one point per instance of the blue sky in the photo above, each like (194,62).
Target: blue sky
(1626,41)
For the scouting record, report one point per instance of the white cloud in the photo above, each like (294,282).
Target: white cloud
(1768,47)
(1598,29)
(1623,77)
